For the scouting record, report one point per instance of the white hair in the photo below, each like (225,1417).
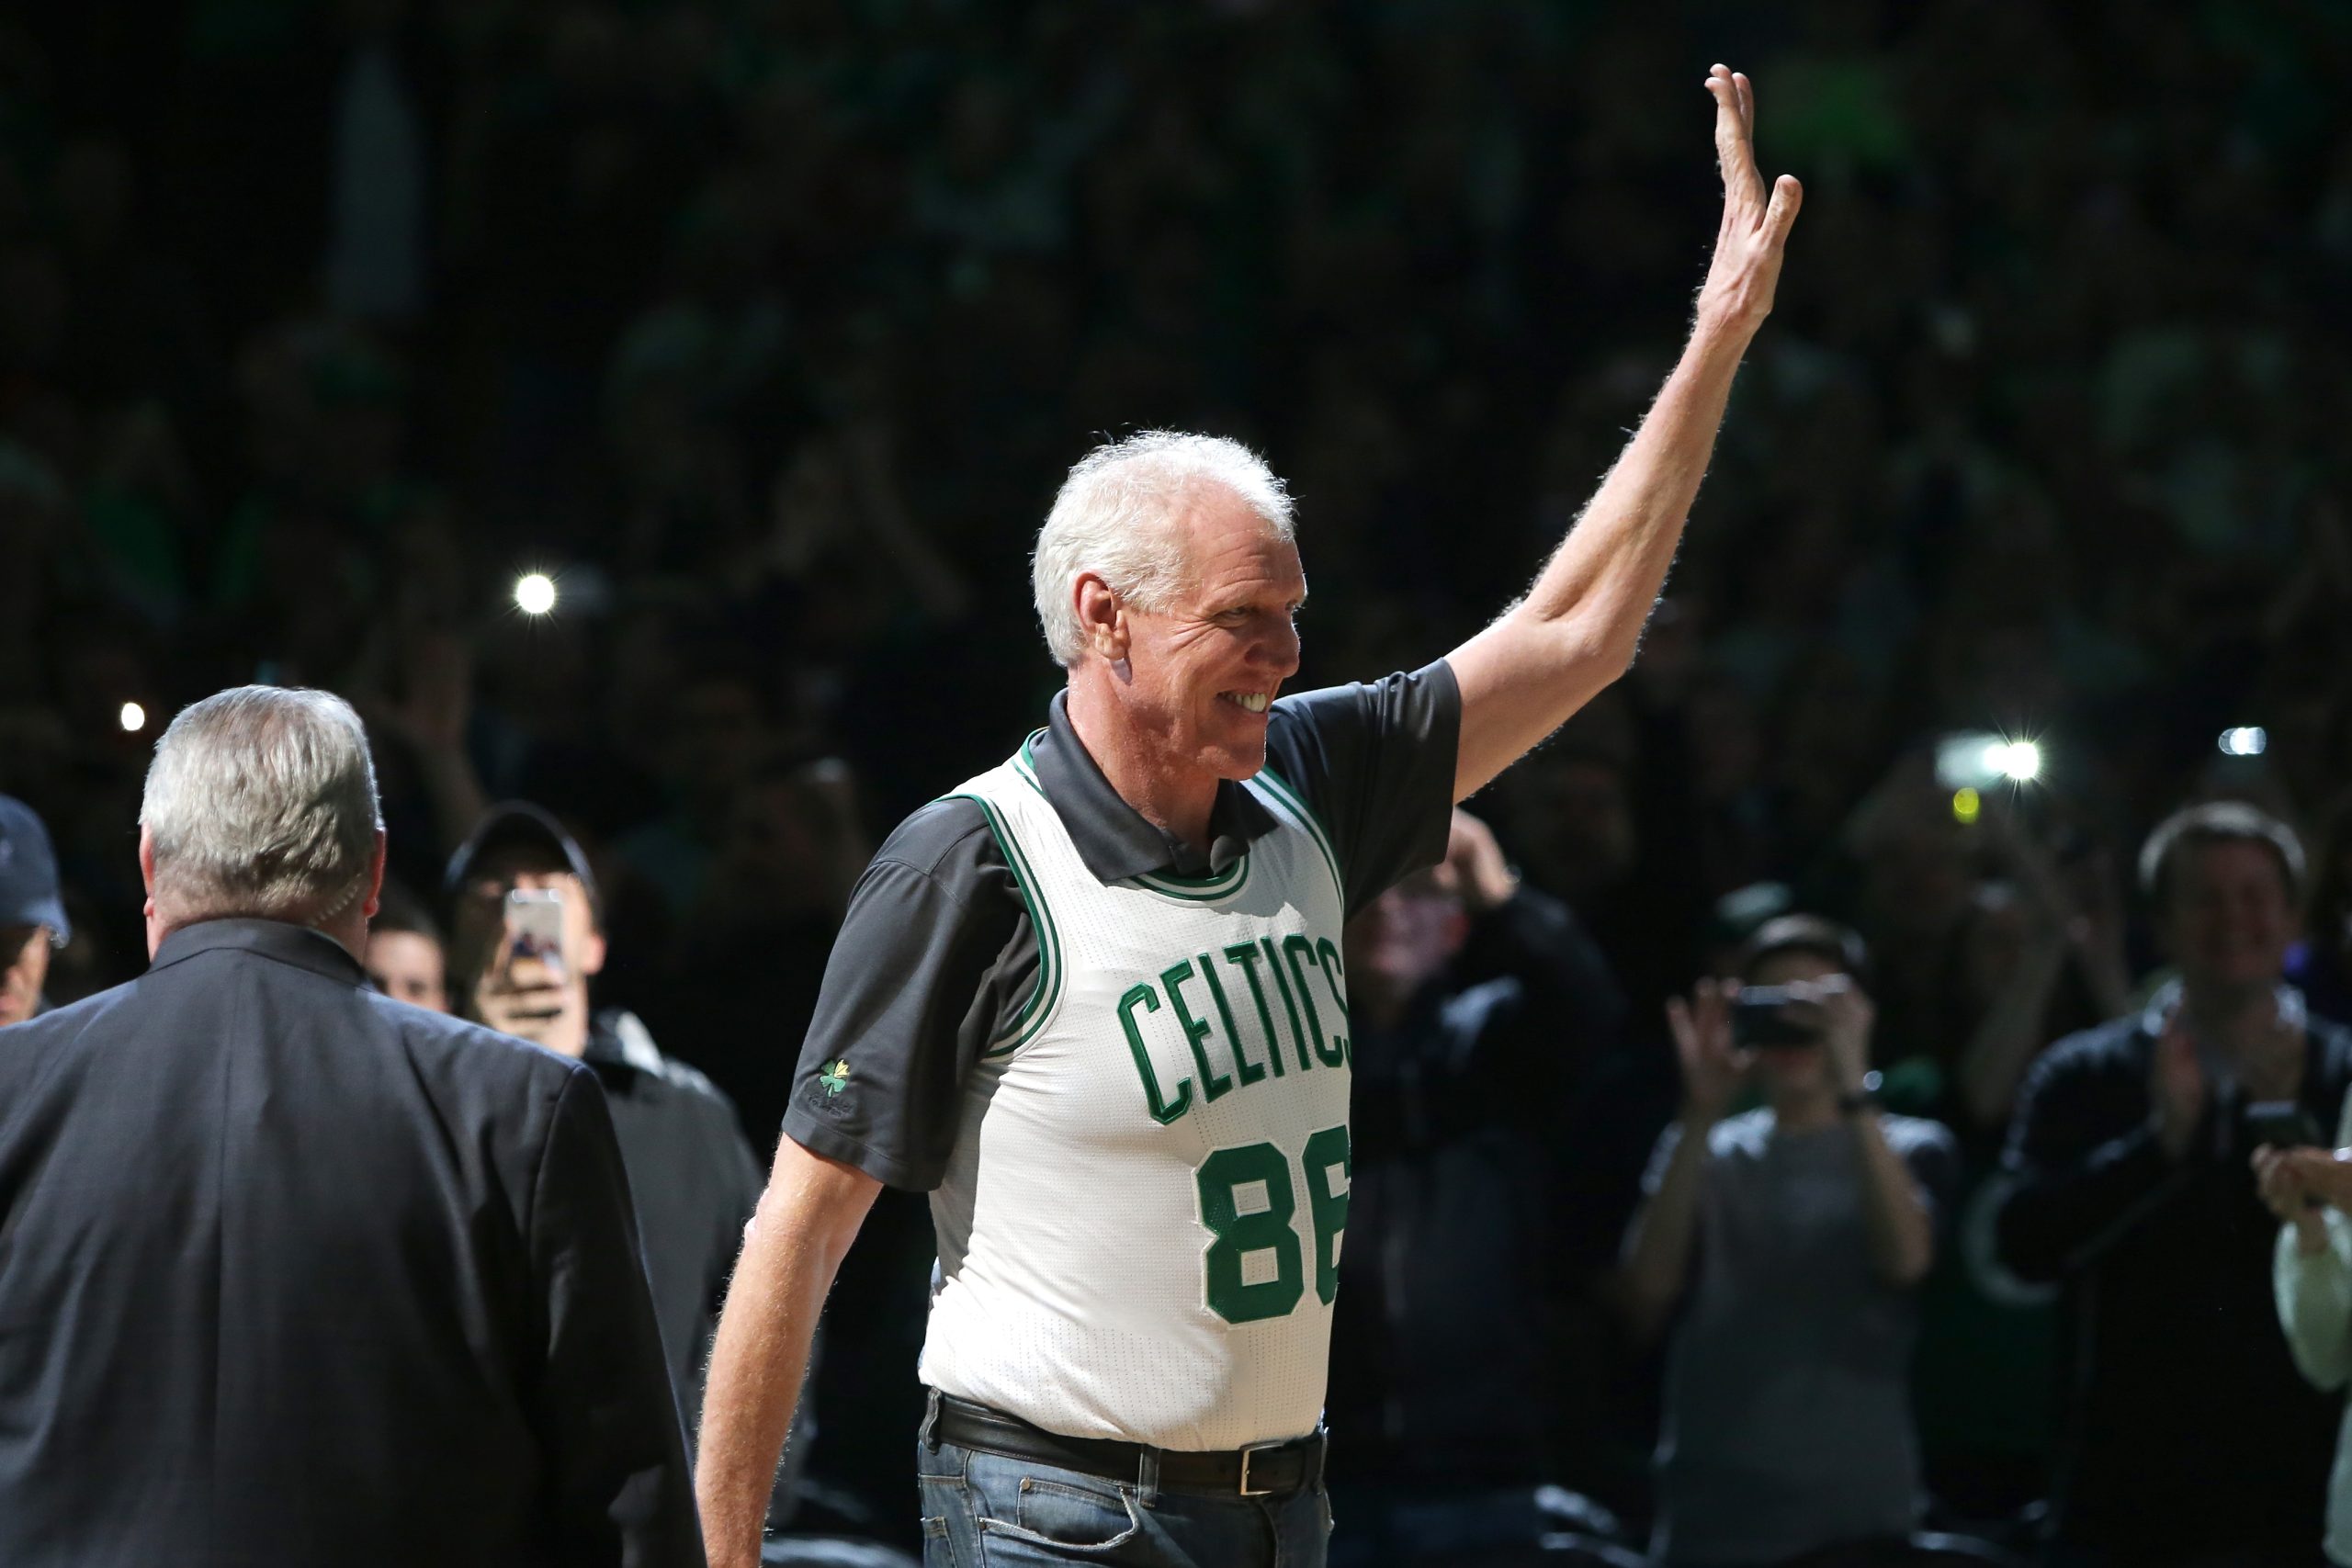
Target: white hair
(261,801)
(1116,516)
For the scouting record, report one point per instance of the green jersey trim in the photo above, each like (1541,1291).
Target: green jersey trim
(1288,798)
(1034,1012)
(1209,889)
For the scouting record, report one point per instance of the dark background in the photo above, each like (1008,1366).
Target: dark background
(769,326)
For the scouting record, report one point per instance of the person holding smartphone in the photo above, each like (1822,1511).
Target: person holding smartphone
(528,941)
(2191,1438)
(1784,1248)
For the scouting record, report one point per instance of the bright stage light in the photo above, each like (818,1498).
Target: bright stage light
(133,719)
(2247,740)
(2019,761)
(534,593)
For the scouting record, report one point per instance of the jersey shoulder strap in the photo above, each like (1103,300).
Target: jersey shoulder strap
(1020,818)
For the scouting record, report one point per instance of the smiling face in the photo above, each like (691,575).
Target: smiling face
(1202,669)
(2228,916)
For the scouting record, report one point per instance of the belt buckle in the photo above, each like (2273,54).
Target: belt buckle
(1247,1455)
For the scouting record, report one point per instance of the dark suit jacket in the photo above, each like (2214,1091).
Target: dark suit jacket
(291,1274)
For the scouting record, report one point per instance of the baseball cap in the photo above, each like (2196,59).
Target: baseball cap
(518,824)
(29,895)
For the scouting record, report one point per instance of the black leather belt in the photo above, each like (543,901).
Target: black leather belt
(1263,1470)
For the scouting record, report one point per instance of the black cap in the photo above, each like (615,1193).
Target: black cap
(513,824)
(29,893)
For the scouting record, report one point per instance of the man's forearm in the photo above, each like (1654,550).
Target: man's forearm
(1657,1255)
(1608,571)
(806,1218)
(1579,625)
(1902,1241)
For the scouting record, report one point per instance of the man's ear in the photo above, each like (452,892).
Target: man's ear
(1102,616)
(375,879)
(147,859)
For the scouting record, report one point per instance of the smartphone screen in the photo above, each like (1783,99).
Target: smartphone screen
(534,927)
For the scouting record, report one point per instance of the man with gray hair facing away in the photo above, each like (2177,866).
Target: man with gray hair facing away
(290,1272)
(1094,1001)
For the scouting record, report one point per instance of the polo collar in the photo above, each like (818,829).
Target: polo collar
(298,945)
(1115,840)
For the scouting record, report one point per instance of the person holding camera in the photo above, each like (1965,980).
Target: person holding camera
(1784,1248)
(2191,1438)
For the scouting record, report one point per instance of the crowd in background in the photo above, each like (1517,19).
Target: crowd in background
(768,330)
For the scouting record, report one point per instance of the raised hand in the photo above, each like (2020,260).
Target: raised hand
(1711,1069)
(1482,873)
(2294,1183)
(1848,1015)
(1755,231)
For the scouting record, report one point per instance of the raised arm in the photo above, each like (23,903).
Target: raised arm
(1577,628)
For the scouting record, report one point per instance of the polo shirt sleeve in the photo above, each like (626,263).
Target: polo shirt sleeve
(934,939)
(1375,761)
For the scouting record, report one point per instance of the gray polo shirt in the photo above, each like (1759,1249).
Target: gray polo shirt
(936,949)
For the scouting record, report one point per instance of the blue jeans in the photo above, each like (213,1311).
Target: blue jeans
(983,1511)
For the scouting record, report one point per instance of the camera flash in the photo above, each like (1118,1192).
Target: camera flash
(534,593)
(133,719)
(2247,740)
(2018,761)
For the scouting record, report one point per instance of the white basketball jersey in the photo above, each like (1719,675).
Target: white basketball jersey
(1139,1230)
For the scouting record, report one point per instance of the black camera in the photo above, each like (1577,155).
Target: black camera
(1775,1018)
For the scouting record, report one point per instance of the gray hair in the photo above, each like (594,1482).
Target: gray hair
(261,801)
(1116,516)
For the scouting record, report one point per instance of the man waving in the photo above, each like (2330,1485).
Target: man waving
(1093,1002)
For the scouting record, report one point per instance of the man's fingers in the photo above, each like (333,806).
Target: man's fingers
(1781,215)
(1746,104)
(1734,146)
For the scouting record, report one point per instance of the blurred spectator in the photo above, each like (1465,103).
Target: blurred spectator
(406,955)
(2309,1190)
(1784,1247)
(2131,1187)
(1468,1171)
(2038,954)
(32,917)
(693,1177)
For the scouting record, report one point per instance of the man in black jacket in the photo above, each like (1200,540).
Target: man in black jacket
(1481,1012)
(292,1274)
(2192,1440)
